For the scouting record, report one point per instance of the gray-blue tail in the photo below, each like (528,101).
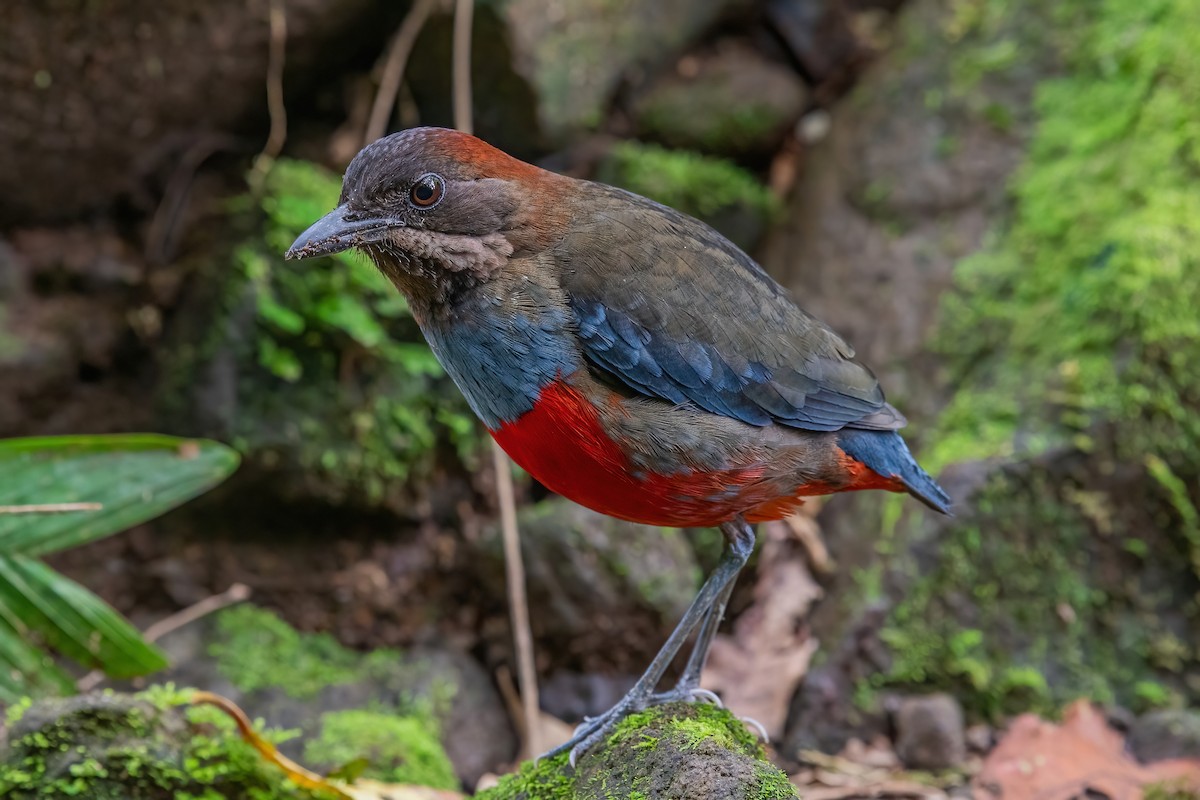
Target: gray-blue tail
(887,454)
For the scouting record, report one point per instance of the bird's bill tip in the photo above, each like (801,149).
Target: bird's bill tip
(335,232)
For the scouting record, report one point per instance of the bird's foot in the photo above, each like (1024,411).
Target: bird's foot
(593,730)
(687,694)
(757,727)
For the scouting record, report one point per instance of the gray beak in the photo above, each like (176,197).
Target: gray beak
(333,233)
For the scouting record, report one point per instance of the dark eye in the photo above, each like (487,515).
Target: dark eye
(427,191)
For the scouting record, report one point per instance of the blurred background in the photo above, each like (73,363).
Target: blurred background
(994,201)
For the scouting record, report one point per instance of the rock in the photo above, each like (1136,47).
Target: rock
(1162,735)
(886,205)
(70,332)
(929,732)
(732,102)
(237,654)
(820,36)
(1029,596)
(715,190)
(596,585)
(109,746)
(576,52)
(675,751)
(97,101)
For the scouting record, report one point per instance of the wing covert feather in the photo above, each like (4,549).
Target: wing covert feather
(673,310)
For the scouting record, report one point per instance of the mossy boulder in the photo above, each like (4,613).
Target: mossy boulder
(732,102)
(576,54)
(1058,316)
(424,711)
(715,190)
(672,751)
(134,747)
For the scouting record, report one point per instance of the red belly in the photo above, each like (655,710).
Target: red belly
(562,443)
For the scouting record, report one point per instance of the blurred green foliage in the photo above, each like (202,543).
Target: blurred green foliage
(252,643)
(351,390)
(702,186)
(1075,329)
(131,478)
(1084,310)
(396,749)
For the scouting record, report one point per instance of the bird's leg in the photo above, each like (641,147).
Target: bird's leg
(688,686)
(739,543)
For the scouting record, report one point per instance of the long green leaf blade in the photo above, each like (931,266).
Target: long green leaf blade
(43,607)
(135,477)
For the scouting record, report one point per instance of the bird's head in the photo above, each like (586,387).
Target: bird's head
(435,208)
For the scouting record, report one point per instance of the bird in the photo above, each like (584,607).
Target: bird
(627,356)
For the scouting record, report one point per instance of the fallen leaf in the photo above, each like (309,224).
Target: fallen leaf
(362,789)
(1038,760)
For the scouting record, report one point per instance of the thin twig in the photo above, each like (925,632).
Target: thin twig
(392,75)
(464,12)
(51,508)
(276,108)
(518,605)
(236,593)
(514,566)
(275,61)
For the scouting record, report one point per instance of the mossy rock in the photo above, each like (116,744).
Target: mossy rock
(715,190)
(736,103)
(317,372)
(576,54)
(678,750)
(1073,565)
(421,704)
(395,749)
(134,747)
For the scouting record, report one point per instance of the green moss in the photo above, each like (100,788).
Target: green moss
(1081,310)
(1022,607)
(640,752)
(256,649)
(546,779)
(398,749)
(698,185)
(1171,790)
(1072,331)
(333,376)
(138,748)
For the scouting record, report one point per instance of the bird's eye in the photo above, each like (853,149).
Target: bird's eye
(427,191)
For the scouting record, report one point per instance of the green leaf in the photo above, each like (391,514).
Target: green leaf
(135,477)
(55,611)
(349,315)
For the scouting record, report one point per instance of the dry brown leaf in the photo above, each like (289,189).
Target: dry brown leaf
(883,790)
(803,525)
(757,669)
(1038,760)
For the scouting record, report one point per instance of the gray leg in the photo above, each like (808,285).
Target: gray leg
(688,687)
(739,543)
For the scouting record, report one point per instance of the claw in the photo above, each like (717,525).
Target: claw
(758,728)
(704,694)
